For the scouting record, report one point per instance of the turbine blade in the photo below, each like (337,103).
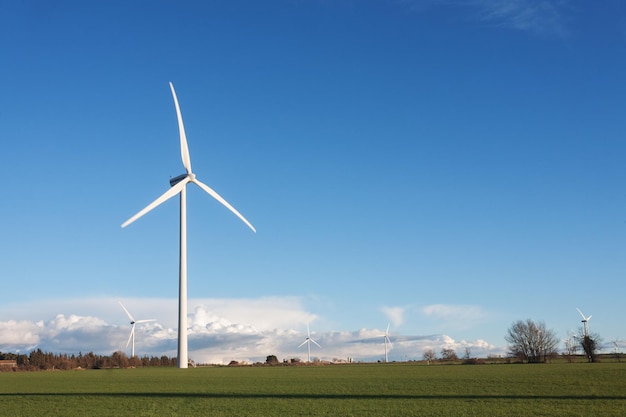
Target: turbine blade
(132,331)
(588,318)
(184,149)
(144,321)
(303,343)
(127,313)
(387,332)
(216,196)
(164,197)
(318,345)
(581,313)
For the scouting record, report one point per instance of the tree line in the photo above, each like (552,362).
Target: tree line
(532,342)
(39,360)
(529,341)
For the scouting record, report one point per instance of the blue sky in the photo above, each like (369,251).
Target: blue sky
(446,167)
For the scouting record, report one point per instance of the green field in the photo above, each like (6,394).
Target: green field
(402,389)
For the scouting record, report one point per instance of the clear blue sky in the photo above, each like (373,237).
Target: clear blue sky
(445,167)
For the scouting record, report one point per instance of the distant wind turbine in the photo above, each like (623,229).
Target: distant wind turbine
(308,342)
(585,320)
(387,340)
(178,186)
(133,322)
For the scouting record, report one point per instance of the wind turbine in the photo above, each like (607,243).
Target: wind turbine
(179,186)
(387,340)
(585,320)
(308,341)
(132,329)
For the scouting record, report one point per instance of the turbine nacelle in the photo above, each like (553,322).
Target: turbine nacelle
(133,322)
(584,321)
(387,340)
(307,341)
(179,178)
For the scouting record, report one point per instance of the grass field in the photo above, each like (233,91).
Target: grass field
(402,389)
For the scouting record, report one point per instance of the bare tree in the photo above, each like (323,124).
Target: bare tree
(468,353)
(616,350)
(530,341)
(429,355)
(448,355)
(571,347)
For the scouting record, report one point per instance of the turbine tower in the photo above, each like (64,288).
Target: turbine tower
(387,340)
(585,320)
(132,329)
(308,341)
(179,186)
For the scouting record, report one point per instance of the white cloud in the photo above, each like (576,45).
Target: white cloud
(395,314)
(264,313)
(245,330)
(15,334)
(74,322)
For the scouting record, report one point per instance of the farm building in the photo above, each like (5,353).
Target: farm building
(8,363)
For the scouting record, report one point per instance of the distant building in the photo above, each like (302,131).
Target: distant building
(8,363)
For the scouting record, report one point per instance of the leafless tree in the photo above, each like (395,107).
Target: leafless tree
(468,352)
(531,342)
(429,355)
(448,355)
(571,347)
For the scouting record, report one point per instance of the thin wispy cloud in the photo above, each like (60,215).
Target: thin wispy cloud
(456,316)
(543,17)
(539,17)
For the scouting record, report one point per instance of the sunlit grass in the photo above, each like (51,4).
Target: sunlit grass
(345,390)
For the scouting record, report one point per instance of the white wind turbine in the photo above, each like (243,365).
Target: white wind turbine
(132,329)
(178,186)
(387,340)
(308,341)
(585,320)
